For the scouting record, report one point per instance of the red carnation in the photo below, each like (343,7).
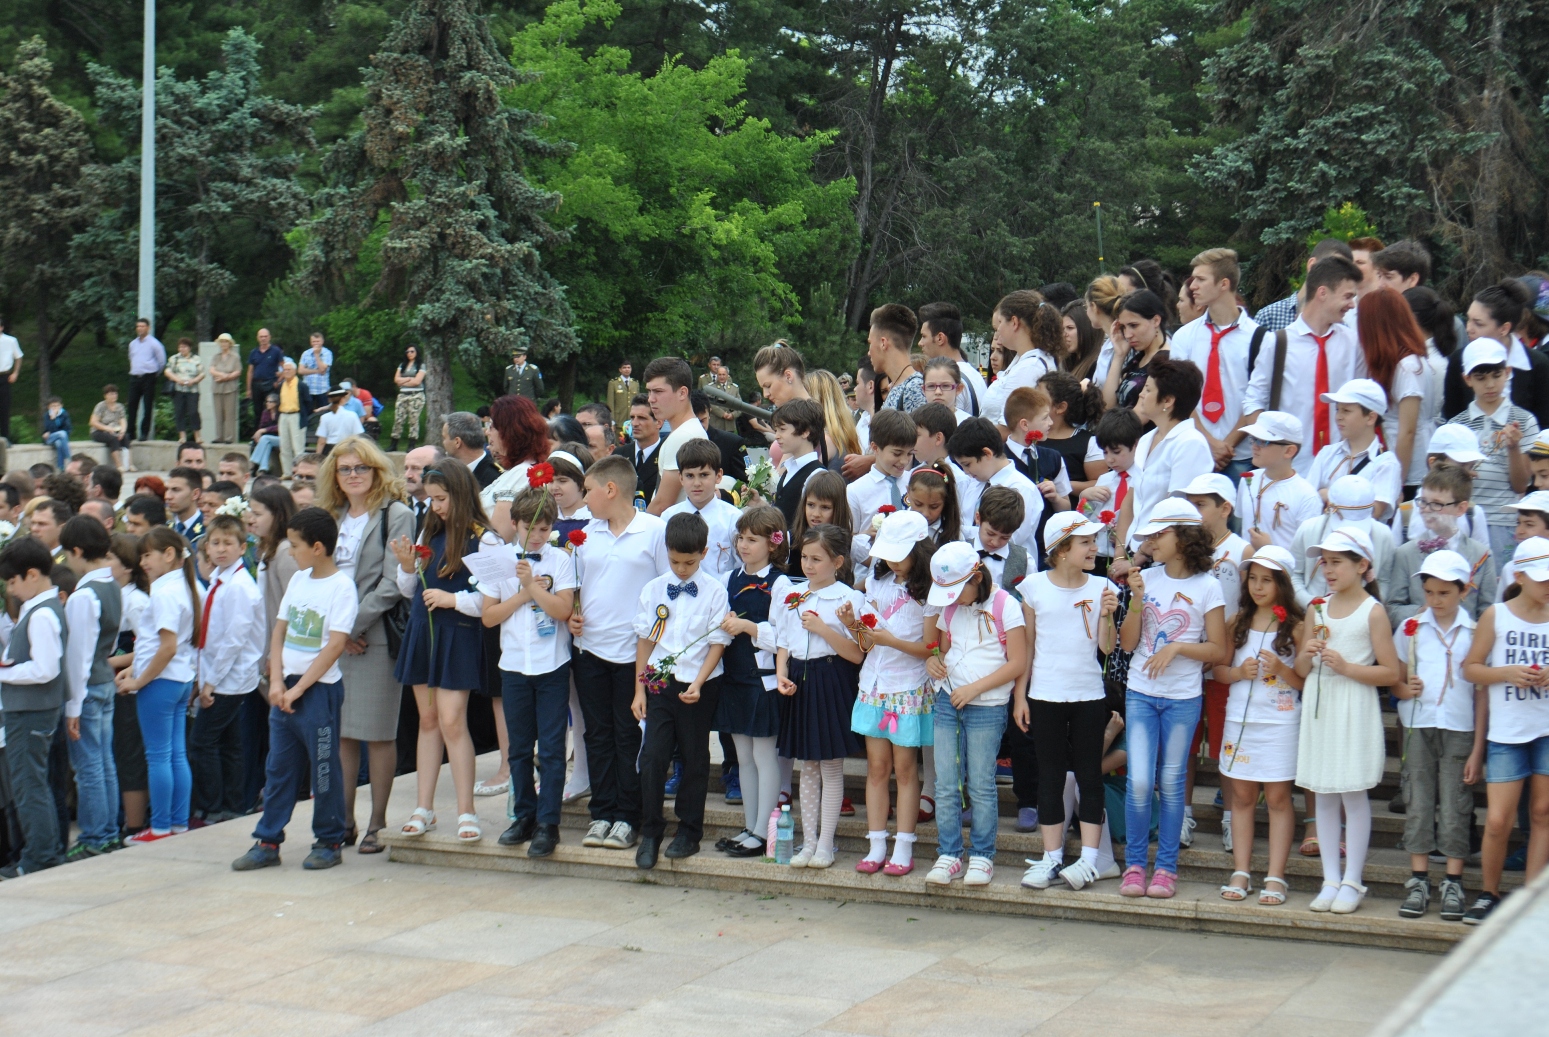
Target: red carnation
(1410,626)
(423,553)
(1106,518)
(886,509)
(1280,613)
(933,646)
(1034,436)
(577,537)
(792,598)
(869,621)
(1318,601)
(540,474)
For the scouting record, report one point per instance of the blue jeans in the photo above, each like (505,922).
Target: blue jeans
(29,735)
(967,740)
(1237,468)
(537,710)
(1157,733)
(163,709)
(304,742)
(266,447)
(96,775)
(60,441)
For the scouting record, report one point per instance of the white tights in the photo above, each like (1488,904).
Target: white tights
(1357,809)
(821,780)
(758,769)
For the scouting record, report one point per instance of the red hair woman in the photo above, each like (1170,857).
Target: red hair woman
(1395,352)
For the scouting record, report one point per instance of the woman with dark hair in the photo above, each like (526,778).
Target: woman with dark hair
(410,379)
(1148,275)
(1500,312)
(1174,453)
(1394,347)
(1141,320)
(1082,341)
(552,408)
(1031,336)
(518,438)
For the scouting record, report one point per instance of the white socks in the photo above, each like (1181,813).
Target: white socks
(878,846)
(811,802)
(903,849)
(1089,854)
(1055,856)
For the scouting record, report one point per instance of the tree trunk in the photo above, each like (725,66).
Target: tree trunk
(44,348)
(1489,261)
(564,386)
(438,390)
(204,307)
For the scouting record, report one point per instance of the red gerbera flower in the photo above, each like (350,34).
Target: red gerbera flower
(1280,613)
(869,621)
(1410,626)
(540,474)
(577,537)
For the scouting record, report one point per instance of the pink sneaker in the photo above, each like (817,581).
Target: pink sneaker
(1134,882)
(866,867)
(1163,885)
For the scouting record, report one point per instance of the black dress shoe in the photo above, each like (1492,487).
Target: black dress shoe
(739,850)
(645,854)
(520,831)
(682,846)
(543,841)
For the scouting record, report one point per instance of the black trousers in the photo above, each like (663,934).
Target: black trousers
(1069,737)
(672,724)
(1018,746)
(185,411)
(142,387)
(607,691)
(215,756)
(61,780)
(261,390)
(5,405)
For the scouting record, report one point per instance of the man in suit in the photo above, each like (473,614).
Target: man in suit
(647,439)
(414,464)
(721,416)
(462,437)
(621,391)
(522,378)
(734,453)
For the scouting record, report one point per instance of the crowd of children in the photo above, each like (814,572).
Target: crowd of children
(1080,621)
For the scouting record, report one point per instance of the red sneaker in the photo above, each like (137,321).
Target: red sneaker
(847,809)
(147,836)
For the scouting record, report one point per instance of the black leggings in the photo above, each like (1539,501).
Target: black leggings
(1069,737)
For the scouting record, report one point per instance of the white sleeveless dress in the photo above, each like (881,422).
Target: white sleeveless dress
(1341,748)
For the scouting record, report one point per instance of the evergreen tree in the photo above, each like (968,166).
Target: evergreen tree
(438,167)
(43,148)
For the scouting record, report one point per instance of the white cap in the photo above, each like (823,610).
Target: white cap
(1065,524)
(1353,539)
(1273,556)
(899,533)
(1456,441)
(1169,511)
(1276,426)
(1483,352)
(1351,493)
(950,568)
(1538,500)
(1447,565)
(1540,443)
(1363,391)
(1205,485)
(1532,559)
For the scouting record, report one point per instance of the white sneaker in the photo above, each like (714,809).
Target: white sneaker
(620,837)
(1079,872)
(980,871)
(944,871)
(1186,837)
(1112,871)
(1042,873)
(1226,831)
(596,832)
(804,856)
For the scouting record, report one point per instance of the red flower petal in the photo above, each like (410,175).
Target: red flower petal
(1410,626)
(887,509)
(1106,517)
(540,474)
(1280,613)
(869,621)
(577,537)
(933,646)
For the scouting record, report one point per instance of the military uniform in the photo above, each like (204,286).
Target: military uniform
(525,381)
(620,392)
(717,408)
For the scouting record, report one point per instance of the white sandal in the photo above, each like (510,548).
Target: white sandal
(1237,894)
(419,822)
(1274,897)
(468,830)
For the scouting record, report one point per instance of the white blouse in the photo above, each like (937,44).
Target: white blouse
(785,617)
(888,669)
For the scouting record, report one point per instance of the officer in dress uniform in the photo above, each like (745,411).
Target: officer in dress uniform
(522,378)
(621,391)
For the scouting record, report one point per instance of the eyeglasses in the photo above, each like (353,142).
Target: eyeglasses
(940,386)
(1434,505)
(354,469)
(1256,441)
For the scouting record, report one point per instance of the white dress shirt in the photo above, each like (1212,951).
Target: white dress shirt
(1164,466)
(613,570)
(10,352)
(1447,700)
(1032,504)
(791,465)
(234,633)
(721,547)
(171,608)
(83,613)
(1192,342)
(531,641)
(786,620)
(46,641)
(1298,394)
(973,390)
(868,493)
(1024,371)
(692,622)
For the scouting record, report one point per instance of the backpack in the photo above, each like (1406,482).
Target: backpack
(1278,370)
(997,613)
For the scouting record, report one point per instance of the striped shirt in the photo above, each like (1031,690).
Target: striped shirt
(1492,476)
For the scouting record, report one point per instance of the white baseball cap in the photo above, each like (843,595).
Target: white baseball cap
(1349,538)
(1538,500)
(950,568)
(1066,524)
(1456,441)
(1276,426)
(1362,391)
(1351,493)
(1483,352)
(1169,511)
(899,533)
(1532,559)
(1205,485)
(1447,565)
(1273,556)
(1540,443)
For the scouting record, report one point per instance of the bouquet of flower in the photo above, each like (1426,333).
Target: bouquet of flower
(881,517)
(760,479)
(655,676)
(236,507)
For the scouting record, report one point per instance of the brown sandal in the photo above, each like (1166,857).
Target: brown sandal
(369,843)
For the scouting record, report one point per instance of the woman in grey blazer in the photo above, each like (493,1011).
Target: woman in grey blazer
(358,485)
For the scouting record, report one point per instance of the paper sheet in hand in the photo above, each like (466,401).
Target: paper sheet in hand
(490,565)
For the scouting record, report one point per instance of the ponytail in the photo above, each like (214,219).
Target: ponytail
(163,538)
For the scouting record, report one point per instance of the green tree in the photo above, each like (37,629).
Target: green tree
(693,226)
(439,164)
(43,147)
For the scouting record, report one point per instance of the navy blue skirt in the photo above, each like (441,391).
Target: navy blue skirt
(456,660)
(747,709)
(815,722)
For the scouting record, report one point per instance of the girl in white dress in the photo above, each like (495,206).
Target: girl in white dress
(1341,750)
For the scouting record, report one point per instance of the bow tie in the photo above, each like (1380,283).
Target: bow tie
(674,589)
(524,555)
(1430,544)
(987,554)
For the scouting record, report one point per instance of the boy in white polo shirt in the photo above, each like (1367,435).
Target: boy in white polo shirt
(1272,500)
(1358,409)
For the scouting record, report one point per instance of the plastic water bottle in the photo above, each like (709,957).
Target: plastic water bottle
(784,836)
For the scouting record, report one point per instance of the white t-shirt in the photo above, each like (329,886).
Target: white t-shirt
(312,611)
(1412,378)
(1173,612)
(1447,700)
(668,459)
(10,352)
(347,549)
(1432,381)
(170,608)
(975,651)
(1276,508)
(1065,627)
(338,425)
(1266,699)
(1518,715)
(531,641)
(887,670)
(1228,571)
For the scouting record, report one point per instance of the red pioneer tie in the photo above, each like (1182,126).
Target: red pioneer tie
(204,627)
(1118,496)
(1213,401)
(1320,422)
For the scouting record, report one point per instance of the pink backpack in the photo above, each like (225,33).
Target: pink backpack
(997,612)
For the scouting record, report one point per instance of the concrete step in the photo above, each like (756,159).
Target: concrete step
(1197,907)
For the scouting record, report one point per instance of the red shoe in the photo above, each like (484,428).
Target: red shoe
(785,800)
(927,813)
(147,836)
(847,809)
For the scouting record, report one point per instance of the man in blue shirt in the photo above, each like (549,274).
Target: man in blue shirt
(315,368)
(147,357)
(263,371)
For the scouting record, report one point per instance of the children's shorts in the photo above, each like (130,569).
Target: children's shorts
(1515,761)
